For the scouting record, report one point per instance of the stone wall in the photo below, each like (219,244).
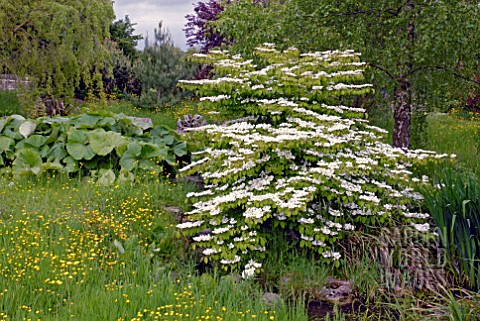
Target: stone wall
(11,82)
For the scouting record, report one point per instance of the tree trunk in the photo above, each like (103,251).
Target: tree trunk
(402,115)
(402,110)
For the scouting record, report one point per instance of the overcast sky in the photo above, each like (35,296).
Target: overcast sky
(147,13)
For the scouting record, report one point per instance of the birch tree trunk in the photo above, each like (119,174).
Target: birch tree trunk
(402,108)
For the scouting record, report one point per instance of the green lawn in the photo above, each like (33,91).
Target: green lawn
(452,135)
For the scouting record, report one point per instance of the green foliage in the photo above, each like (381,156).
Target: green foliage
(409,45)
(106,146)
(121,32)
(159,68)
(123,80)
(451,134)
(297,162)
(455,209)
(9,104)
(56,44)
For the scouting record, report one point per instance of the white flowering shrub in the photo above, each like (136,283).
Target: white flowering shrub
(301,163)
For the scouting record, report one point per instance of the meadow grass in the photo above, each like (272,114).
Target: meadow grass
(73,250)
(454,135)
(9,104)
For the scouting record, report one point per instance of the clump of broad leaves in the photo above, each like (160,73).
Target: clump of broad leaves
(109,148)
(299,161)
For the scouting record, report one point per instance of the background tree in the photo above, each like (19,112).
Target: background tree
(159,68)
(418,49)
(199,31)
(56,44)
(122,32)
(123,80)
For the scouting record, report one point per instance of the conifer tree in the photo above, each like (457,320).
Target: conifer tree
(159,68)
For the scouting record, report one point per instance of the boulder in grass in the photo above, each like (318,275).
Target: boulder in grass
(189,121)
(143,123)
(335,292)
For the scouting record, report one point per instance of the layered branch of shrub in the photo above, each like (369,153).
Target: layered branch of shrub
(300,162)
(106,147)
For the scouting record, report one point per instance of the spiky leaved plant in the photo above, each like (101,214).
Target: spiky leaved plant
(304,163)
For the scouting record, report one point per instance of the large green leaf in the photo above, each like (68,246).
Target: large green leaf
(53,137)
(3,123)
(121,149)
(85,121)
(51,166)
(143,123)
(54,121)
(27,160)
(56,153)
(149,165)
(16,122)
(159,131)
(27,128)
(106,122)
(80,151)
(77,145)
(180,149)
(77,136)
(17,117)
(71,165)
(91,164)
(106,177)
(134,148)
(151,151)
(130,158)
(169,139)
(128,162)
(125,176)
(6,143)
(11,132)
(103,142)
(36,140)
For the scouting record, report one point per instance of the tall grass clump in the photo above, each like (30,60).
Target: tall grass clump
(9,104)
(455,209)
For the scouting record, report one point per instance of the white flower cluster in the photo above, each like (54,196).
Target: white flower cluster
(216,98)
(202,238)
(187,225)
(250,269)
(236,259)
(208,252)
(256,212)
(421,227)
(260,171)
(341,86)
(330,254)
